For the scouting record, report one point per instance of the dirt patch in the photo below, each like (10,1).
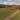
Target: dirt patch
(13,14)
(7,18)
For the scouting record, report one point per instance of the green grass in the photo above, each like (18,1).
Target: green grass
(6,12)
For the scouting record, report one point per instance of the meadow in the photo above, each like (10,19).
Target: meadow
(8,11)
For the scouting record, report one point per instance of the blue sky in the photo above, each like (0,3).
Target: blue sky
(10,1)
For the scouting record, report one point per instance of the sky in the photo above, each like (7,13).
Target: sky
(4,1)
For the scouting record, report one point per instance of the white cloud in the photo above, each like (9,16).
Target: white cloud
(4,2)
(11,3)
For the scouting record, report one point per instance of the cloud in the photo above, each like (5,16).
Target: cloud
(9,3)
(4,2)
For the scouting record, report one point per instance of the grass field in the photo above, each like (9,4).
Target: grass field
(8,11)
